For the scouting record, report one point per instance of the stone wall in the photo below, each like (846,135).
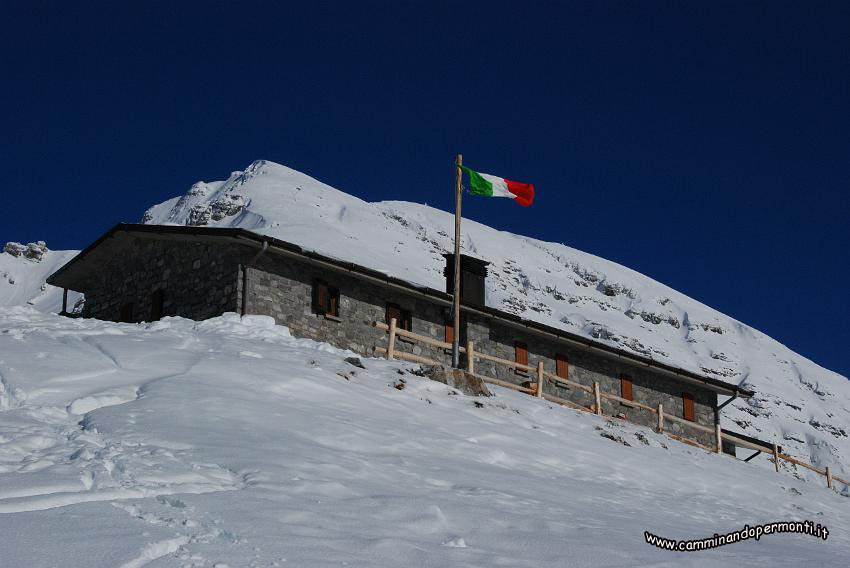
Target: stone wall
(585,367)
(282,288)
(203,278)
(198,278)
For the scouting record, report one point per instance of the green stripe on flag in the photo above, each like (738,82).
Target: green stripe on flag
(477,184)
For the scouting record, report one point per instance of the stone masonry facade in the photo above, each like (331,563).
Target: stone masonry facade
(204,278)
(197,279)
(283,289)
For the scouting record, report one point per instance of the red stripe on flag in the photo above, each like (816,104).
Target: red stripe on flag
(524,192)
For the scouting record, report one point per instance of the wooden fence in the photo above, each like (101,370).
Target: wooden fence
(542,375)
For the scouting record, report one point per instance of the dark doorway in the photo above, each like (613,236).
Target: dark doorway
(157,304)
(126,314)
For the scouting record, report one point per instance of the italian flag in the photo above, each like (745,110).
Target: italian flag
(492,186)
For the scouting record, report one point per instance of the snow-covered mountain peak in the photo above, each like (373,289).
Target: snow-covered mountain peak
(799,404)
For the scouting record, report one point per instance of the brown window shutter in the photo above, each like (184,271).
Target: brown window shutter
(521,355)
(394,311)
(450,331)
(333,303)
(562,366)
(320,297)
(688,406)
(626,387)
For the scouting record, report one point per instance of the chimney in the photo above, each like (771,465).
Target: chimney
(473,272)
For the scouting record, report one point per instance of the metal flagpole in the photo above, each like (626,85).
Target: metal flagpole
(456,295)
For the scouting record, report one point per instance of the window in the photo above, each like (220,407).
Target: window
(157,304)
(402,317)
(126,314)
(325,299)
(688,406)
(626,387)
(521,356)
(562,366)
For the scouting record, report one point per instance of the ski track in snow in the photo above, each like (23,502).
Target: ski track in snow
(55,441)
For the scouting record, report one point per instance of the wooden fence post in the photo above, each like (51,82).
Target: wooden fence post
(776,457)
(540,379)
(660,418)
(391,344)
(470,358)
(719,435)
(828,477)
(598,398)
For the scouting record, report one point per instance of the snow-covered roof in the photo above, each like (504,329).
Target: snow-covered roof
(72,275)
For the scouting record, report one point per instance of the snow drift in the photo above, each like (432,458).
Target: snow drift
(228,442)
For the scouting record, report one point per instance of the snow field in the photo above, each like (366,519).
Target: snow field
(229,442)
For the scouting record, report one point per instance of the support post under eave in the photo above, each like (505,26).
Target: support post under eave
(64,311)
(718,434)
(245,281)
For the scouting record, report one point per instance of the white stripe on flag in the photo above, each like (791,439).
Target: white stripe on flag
(500,188)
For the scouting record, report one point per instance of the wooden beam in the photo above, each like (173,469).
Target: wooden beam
(598,399)
(470,358)
(505,384)
(672,418)
(776,457)
(627,401)
(416,336)
(801,464)
(540,379)
(660,418)
(828,477)
(690,442)
(558,379)
(391,343)
(733,397)
(499,360)
(745,444)
(456,289)
(565,402)
(408,357)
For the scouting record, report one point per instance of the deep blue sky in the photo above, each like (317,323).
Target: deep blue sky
(703,144)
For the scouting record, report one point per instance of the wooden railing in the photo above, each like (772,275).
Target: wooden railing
(542,375)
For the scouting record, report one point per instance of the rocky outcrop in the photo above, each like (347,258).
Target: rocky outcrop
(456,378)
(225,206)
(32,251)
